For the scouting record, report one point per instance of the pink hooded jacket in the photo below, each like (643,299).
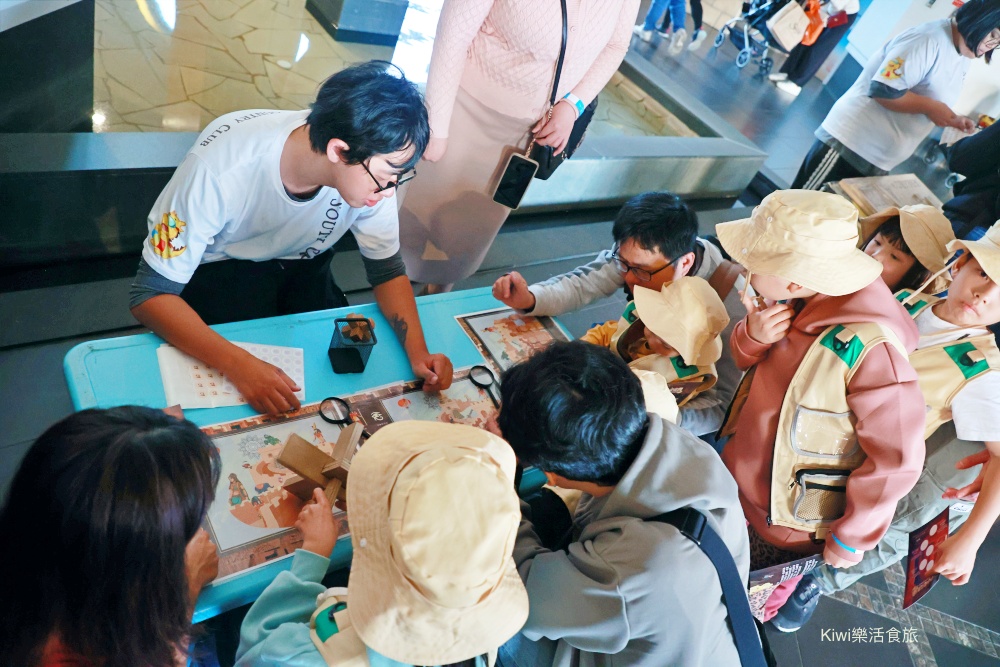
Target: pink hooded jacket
(883,395)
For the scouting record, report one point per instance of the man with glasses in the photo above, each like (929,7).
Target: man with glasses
(655,242)
(246,226)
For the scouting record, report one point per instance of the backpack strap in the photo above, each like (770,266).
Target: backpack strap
(724,278)
(694,526)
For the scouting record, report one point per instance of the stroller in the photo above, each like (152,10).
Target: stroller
(749,33)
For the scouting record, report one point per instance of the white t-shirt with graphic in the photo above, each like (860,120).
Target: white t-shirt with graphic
(922,60)
(976,408)
(226,200)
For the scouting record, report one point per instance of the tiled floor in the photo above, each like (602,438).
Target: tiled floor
(177,72)
(162,85)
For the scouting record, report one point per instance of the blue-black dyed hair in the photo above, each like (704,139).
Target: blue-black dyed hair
(975,20)
(372,109)
(659,222)
(97,519)
(574,409)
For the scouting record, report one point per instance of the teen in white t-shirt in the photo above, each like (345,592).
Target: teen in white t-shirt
(279,188)
(230,198)
(906,89)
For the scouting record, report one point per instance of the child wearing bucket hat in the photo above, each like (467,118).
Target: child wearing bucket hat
(958,364)
(911,243)
(827,433)
(681,327)
(434,516)
(575,411)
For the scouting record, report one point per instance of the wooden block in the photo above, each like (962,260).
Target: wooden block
(347,442)
(333,489)
(304,459)
(301,487)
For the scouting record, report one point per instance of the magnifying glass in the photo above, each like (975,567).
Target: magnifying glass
(483,377)
(335,410)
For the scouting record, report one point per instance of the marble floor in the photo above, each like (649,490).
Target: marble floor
(174,65)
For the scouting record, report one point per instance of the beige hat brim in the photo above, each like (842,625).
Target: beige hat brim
(391,616)
(987,254)
(830,276)
(870,224)
(648,301)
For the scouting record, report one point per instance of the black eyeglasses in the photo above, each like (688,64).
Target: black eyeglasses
(402,178)
(643,275)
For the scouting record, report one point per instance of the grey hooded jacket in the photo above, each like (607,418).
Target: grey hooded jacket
(633,592)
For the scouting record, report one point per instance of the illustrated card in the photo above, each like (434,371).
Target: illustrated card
(762,582)
(505,337)
(924,543)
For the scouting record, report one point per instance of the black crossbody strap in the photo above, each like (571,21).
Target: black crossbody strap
(693,525)
(562,56)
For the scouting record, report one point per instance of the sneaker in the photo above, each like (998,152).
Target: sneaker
(699,37)
(677,41)
(665,34)
(789,87)
(777,76)
(799,608)
(644,35)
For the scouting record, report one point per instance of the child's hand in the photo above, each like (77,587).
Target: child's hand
(833,559)
(657,344)
(970,492)
(956,558)
(769,325)
(201,561)
(319,528)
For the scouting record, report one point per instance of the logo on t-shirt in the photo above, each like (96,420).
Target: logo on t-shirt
(165,237)
(893,69)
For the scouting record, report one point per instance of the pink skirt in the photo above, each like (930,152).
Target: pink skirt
(447,216)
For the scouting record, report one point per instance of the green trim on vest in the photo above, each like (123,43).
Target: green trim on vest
(849,353)
(326,625)
(969,368)
(902,295)
(682,369)
(629,314)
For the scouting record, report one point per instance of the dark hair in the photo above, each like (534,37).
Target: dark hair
(891,231)
(98,517)
(373,111)
(657,221)
(574,409)
(975,20)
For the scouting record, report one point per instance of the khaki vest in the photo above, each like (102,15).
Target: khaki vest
(944,369)
(816,448)
(334,636)
(685,382)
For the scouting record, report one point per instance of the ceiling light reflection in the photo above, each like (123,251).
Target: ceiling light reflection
(303,47)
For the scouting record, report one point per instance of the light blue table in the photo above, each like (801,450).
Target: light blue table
(124,371)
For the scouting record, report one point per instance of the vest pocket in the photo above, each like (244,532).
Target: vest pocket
(821,495)
(823,434)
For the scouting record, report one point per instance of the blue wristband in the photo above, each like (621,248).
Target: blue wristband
(842,545)
(576,102)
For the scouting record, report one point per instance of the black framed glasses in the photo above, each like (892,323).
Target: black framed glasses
(408,175)
(642,275)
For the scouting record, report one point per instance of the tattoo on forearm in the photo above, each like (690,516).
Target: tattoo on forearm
(400,326)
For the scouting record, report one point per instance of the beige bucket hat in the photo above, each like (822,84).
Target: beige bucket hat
(986,251)
(807,237)
(927,234)
(433,516)
(688,315)
(657,395)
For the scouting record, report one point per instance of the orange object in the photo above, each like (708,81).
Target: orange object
(816,23)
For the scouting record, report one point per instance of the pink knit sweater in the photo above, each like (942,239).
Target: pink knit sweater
(503,53)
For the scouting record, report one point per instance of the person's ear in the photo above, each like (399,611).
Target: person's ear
(797,291)
(336,150)
(959,263)
(684,263)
